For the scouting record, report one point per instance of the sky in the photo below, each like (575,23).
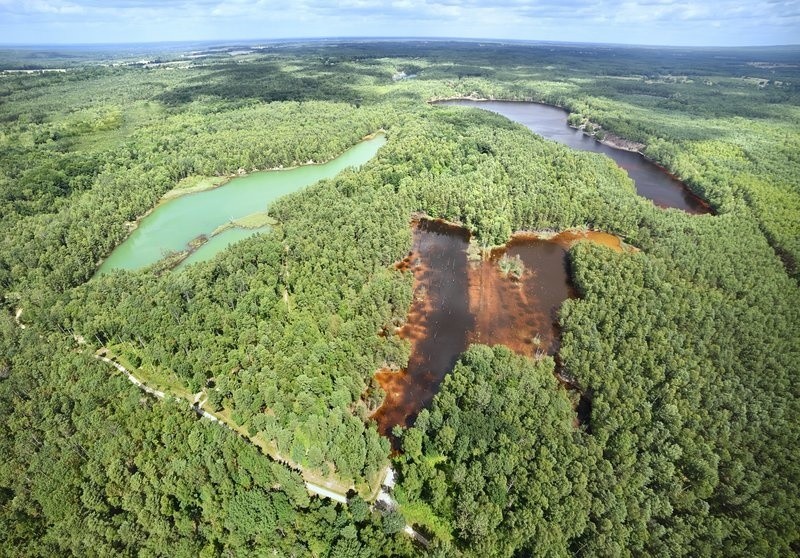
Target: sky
(647,22)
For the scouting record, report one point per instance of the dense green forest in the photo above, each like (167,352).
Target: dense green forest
(93,467)
(686,352)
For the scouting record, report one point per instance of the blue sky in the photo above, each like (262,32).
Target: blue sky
(659,22)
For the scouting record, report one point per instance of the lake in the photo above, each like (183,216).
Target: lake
(218,243)
(437,325)
(173,224)
(652,182)
(459,302)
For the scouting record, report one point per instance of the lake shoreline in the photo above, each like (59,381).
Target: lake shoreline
(215,183)
(692,202)
(610,140)
(178,193)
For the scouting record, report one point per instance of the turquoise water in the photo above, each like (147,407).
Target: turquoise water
(218,243)
(173,224)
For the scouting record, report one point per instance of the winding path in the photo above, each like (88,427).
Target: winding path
(196,406)
(384,496)
(133,379)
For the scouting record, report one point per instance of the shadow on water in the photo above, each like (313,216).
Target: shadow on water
(584,409)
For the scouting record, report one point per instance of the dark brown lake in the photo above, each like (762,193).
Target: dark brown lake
(652,181)
(458,302)
(437,325)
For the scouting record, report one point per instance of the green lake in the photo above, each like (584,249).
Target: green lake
(171,226)
(219,242)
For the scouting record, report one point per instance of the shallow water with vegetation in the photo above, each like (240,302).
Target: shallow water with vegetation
(683,355)
(217,243)
(461,300)
(172,225)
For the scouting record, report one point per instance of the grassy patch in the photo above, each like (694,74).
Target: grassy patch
(192,184)
(151,376)
(511,266)
(253,221)
(421,514)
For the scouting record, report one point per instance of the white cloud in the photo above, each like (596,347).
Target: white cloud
(590,20)
(53,7)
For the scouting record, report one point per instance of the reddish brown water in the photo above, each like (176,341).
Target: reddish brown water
(652,181)
(457,302)
(437,324)
(520,313)
(570,236)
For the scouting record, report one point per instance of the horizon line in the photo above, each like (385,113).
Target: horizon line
(368,38)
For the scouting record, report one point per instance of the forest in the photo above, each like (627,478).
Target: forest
(686,351)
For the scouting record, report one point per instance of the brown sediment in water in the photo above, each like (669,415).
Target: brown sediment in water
(520,313)
(566,239)
(437,323)
(457,303)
